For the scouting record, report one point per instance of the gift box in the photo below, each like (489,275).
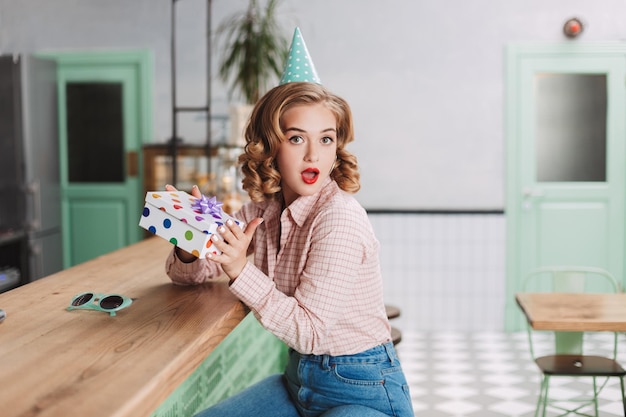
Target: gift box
(184,220)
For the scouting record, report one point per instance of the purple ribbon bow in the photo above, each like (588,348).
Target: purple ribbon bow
(207,205)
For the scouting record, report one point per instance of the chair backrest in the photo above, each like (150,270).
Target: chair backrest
(570,279)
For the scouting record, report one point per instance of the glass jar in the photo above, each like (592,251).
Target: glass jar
(228,181)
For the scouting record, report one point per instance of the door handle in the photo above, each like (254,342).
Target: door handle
(34,190)
(132,163)
(528,192)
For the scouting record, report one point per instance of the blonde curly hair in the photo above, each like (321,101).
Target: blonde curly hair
(264,135)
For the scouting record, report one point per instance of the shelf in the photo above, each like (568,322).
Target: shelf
(192,165)
(11,236)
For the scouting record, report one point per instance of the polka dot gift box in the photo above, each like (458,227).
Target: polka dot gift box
(184,220)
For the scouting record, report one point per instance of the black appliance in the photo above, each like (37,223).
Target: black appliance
(30,200)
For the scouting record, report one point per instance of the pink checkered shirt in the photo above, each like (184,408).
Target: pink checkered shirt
(315,282)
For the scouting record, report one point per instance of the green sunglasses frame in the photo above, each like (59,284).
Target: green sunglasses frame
(95,302)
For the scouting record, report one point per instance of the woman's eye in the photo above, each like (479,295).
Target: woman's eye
(327,140)
(296,139)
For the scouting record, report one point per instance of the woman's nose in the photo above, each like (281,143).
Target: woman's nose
(312,154)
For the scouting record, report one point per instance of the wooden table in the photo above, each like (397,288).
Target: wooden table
(55,362)
(574,312)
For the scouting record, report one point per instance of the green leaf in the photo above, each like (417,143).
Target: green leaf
(254,49)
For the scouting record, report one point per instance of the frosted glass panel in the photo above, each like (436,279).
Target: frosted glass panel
(571,127)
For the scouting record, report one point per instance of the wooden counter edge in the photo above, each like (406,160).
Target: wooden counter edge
(150,398)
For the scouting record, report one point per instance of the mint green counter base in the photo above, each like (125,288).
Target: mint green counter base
(248,354)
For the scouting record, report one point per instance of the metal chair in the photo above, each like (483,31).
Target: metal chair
(567,359)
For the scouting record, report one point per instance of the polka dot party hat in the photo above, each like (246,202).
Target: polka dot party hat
(299,66)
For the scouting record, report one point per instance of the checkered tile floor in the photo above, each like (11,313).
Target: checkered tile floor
(487,375)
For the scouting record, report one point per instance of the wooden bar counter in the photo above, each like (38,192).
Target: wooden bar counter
(55,362)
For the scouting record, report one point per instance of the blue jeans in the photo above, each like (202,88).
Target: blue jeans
(367,384)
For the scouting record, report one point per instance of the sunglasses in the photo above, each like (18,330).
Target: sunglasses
(109,303)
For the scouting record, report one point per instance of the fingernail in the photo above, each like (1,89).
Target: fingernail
(214,238)
(195,186)
(229,222)
(222,229)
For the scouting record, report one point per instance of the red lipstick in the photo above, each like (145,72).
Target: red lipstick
(310,175)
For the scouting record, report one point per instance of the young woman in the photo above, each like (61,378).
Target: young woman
(315,281)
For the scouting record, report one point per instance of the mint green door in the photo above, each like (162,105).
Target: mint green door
(566,134)
(104,117)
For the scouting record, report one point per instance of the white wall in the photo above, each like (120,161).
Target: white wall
(425,78)
(445,272)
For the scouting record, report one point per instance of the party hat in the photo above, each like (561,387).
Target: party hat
(299,66)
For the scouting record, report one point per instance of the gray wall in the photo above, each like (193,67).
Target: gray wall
(425,78)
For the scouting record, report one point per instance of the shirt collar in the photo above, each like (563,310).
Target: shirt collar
(303,205)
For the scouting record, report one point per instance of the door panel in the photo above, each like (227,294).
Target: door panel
(571,233)
(104,118)
(565,161)
(103,215)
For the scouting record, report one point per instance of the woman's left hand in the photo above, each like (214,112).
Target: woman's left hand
(233,244)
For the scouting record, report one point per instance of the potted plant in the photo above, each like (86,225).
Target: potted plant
(254,50)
